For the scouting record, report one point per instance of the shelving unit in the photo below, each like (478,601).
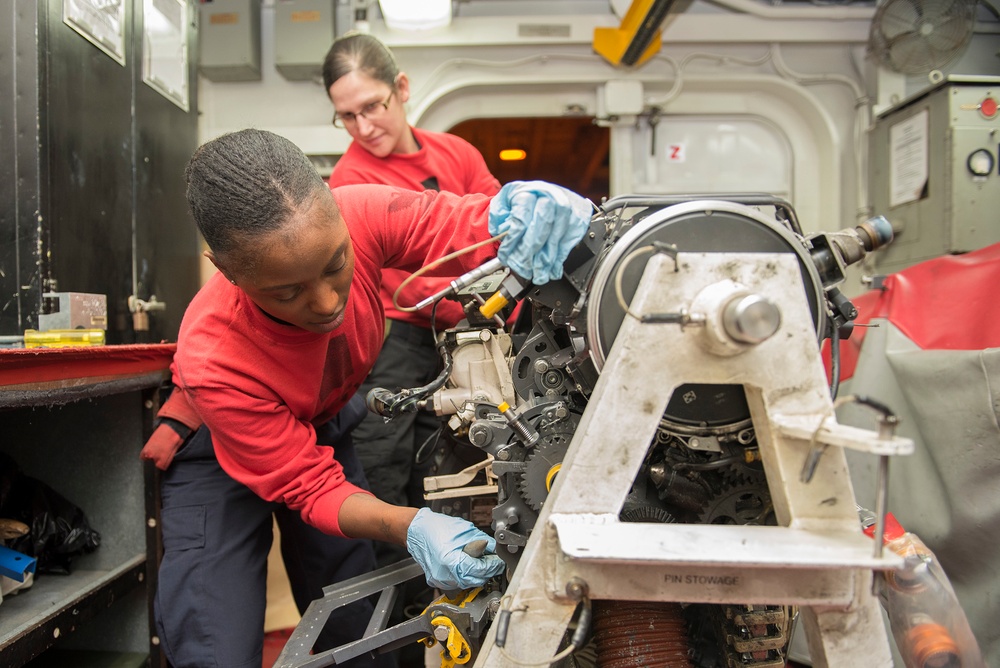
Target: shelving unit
(76,419)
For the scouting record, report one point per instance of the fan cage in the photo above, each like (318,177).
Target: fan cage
(918,36)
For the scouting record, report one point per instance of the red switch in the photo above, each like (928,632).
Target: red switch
(988,107)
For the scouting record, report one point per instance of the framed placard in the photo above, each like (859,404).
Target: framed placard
(101,22)
(165,49)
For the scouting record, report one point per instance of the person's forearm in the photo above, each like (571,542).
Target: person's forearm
(364,516)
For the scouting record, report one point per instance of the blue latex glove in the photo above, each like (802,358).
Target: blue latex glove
(543,223)
(436,541)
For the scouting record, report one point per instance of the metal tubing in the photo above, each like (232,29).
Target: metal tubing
(881,501)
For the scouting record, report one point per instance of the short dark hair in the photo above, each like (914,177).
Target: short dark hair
(245,184)
(359,51)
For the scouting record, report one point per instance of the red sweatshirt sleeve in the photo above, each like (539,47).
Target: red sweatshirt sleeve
(262,445)
(405,229)
(257,386)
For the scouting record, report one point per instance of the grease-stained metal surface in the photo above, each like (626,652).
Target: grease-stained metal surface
(817,558)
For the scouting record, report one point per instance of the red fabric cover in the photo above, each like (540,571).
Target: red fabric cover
(32,366)
(261,386)
(941,304)
(458,167)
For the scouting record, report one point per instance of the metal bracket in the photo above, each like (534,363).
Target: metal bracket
(467,615)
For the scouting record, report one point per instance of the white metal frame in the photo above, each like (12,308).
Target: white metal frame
(818,558)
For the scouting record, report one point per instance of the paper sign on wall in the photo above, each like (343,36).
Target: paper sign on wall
(908,160)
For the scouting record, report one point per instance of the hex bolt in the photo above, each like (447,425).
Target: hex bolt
(480,435)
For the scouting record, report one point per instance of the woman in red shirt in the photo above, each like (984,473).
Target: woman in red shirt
(368,92)
(273,348)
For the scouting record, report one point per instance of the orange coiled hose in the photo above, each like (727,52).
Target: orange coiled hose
(640,634)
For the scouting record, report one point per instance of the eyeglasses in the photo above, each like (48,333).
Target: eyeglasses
(371,111)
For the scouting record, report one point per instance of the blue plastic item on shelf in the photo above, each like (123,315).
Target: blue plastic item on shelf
(15,565)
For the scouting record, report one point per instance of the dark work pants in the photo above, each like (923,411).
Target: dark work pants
(216,537)
(387,449)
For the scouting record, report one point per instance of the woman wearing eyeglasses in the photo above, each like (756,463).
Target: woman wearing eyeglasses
(368,92)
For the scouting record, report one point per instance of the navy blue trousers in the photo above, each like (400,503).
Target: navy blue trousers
(217,533)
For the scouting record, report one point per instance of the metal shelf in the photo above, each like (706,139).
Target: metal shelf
(33,619)
(75,420)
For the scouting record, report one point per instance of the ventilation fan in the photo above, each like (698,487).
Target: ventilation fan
(918,36)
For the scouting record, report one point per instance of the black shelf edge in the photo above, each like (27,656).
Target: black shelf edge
(57,393)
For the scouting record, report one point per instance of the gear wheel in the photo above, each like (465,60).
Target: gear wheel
(648,514)
(543,463)
(740,504)
(742,474)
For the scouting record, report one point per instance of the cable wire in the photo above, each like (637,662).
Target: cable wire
(531,664)
(436,263)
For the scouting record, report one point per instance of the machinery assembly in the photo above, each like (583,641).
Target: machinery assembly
(655,450)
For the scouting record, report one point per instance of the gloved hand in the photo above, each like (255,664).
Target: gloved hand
(436,540)
(543,223)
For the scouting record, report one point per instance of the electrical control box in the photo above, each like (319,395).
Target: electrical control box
(230,40)
(303,33)
(935,172)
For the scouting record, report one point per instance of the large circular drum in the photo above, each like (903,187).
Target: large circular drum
(704,226)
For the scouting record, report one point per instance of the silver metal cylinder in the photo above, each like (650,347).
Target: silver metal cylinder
(751,318)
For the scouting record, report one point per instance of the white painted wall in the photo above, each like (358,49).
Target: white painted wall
(795,72)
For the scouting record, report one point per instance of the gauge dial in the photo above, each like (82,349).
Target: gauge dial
(980,162)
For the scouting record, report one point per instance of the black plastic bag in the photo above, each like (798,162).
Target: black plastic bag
(59,529)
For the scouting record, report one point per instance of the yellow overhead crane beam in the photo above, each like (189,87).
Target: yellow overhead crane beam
(637,39)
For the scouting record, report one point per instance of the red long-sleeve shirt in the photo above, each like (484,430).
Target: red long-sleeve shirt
(444,162)
(261,386)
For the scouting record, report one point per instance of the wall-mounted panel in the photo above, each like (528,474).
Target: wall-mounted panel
(303,32)
(230,40)
(926,172)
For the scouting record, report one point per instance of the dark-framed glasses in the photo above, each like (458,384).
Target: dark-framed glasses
(371,111)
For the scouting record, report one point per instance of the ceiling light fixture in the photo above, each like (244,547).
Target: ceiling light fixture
(415,14)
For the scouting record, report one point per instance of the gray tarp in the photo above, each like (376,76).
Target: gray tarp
(948,491)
